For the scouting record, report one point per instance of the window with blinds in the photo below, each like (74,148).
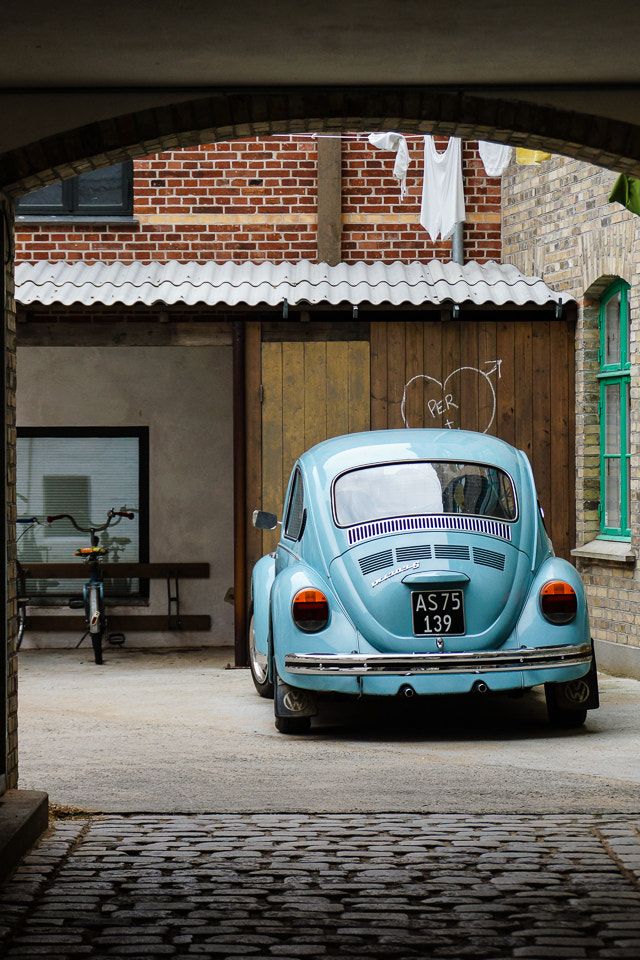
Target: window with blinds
(84,473)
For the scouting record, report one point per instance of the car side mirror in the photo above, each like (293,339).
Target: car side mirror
(263,520)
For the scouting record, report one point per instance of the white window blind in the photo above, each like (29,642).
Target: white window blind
(84,476)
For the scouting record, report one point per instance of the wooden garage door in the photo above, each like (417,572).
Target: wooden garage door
(310,391)
(511,378)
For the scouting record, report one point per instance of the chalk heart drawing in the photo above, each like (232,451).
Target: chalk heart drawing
(442,398)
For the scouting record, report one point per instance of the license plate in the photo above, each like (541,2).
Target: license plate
(438,612)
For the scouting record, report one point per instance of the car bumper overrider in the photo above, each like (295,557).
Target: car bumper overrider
(417,664)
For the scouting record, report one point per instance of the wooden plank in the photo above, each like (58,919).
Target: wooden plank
(570,455)
(471,385)
(379,377)
(488,361)
(329,200)
(523,363)
(359,404)
(451,360)
(432,367)
(119,623)
(337,389)
(253,413)
(541,413)
(562,456)
(414,370)
(506,385)
(136,571)
(292,407)
(125,334)
(315,393)
(396,372)
(272,414)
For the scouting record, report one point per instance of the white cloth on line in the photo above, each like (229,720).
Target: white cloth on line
(442,191)
(495,157)
(396,143)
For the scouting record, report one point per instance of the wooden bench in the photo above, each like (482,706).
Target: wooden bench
(122,623)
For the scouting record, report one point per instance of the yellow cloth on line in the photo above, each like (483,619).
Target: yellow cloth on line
(528,157)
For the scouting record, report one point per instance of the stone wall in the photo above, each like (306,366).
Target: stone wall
(557,223)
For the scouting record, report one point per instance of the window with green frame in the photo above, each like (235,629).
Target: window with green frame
(614,377)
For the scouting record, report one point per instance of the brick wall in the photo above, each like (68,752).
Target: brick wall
(10,507)
(257,200)
(558,224)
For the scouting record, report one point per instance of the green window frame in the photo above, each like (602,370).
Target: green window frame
(615,382)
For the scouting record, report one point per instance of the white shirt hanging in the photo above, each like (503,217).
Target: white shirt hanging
(495,157)
(442,191)
(396,143)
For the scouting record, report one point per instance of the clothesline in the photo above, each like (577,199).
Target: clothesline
(442,205)
(361,135)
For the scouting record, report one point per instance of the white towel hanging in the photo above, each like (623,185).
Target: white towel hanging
(396,143)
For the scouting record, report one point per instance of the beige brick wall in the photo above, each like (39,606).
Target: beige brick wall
(559,225)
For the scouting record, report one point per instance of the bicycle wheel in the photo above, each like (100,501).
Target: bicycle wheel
(96,622)
(22,616)
(22,603)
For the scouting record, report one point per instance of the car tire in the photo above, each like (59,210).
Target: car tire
(259,665)
(566,717)
(293,725)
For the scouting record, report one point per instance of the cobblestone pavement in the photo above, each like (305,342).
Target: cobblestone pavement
(356,885)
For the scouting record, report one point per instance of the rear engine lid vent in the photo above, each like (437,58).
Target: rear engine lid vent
(489,558)
(451,551)
(376,561)
(421,552)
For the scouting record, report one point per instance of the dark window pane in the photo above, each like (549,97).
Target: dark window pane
(295,513)
(105,192)
(50,196)
(612,330)
(100,188)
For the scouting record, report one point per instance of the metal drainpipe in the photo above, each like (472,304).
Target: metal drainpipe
(457,244)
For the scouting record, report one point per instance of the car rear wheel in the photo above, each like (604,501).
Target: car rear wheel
(564,703)
(293,725)
(259,665)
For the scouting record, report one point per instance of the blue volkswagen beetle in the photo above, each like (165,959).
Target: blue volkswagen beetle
(412,563)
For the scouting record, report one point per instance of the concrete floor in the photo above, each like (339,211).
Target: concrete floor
(167,731)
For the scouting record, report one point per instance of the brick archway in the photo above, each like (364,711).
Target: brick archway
(231,116)
(234,115)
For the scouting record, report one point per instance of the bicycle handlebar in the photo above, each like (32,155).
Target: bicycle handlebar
(110,515)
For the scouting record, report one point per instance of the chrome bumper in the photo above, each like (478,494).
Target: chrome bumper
(418,664)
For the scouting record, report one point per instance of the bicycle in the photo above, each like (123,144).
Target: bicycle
(93,591)
(23,573)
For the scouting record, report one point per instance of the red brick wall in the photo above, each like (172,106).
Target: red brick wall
(257,200)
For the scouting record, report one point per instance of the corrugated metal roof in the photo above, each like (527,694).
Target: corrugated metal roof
(253,284)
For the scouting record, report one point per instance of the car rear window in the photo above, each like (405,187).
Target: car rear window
(422,487)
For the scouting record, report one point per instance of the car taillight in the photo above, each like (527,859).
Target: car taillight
(310,610)
(558,602)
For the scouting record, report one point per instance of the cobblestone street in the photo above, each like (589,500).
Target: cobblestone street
(357,885)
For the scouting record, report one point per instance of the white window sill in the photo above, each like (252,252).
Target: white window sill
(613,551)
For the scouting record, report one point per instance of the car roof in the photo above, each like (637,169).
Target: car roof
(334,456)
